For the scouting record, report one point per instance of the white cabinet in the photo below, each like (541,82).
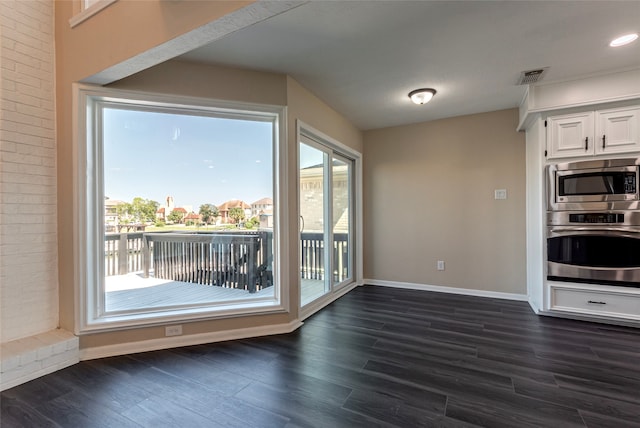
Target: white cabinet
(595,301)
(602,132)
(570,135)
(617,131)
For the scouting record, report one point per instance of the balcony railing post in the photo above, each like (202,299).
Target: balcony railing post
(251,265)
(123,255)
(146,256)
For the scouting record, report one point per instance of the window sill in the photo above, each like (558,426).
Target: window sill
(129,321)
(89,12)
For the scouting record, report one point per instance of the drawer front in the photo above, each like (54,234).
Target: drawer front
(595,302)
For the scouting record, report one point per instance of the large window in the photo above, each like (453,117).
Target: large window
(178,209)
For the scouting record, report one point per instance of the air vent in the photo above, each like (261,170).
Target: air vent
(532,76)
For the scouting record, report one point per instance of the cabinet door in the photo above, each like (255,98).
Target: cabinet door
(617,130)
(570,135)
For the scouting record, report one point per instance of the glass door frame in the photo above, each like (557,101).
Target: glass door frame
(334,149)
(325,219)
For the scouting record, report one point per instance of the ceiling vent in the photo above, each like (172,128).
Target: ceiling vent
(532,76)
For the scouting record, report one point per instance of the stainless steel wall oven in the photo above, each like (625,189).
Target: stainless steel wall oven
(593,222)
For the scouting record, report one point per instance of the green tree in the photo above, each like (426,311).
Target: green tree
(175,216)
(144,209)
(123,213)
(236,214)
(209,213)
(140,210)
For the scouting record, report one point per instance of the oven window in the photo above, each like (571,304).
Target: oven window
(597,183)
(598,251)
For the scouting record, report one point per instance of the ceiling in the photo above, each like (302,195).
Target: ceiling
(363,57)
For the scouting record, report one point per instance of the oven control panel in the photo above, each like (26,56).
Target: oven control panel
(596,218)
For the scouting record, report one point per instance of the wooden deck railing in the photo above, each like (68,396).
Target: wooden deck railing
(230,260)
(312,257)
(123,253)
(234,260)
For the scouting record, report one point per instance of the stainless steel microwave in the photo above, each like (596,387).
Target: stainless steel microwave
(596,184)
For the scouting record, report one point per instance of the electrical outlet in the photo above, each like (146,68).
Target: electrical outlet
(440,265)
(173,330)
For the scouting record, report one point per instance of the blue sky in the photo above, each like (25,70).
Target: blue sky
(195,159)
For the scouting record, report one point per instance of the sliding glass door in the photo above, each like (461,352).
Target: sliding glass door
(326,219)
(342,224)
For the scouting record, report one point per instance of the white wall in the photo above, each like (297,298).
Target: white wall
(28,223)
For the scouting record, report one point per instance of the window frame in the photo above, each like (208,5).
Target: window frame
(88,8)
(88,200)
(335,147)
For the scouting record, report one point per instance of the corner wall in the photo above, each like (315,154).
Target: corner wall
(429,195)
(28,211)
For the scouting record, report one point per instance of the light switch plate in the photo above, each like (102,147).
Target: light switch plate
(500,194)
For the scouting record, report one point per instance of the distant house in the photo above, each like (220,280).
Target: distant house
(182,211)
(266,221)
(193,217)
(162,213)
(262,206)
(235,203)
(111,214)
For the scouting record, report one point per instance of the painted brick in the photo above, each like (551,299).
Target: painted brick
(57,359)
(28,180)
(21,371)
(9,362)
(24,359)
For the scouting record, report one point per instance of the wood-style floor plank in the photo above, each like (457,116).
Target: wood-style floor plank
(377,357)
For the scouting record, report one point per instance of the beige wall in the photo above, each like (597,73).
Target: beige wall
(305,106)
(198,80)
(429,195)
(126,29)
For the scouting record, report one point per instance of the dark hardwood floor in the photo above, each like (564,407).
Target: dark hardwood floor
(376,357)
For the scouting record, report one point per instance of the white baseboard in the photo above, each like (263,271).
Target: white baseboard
(192,339)
(534,307)
(451,290)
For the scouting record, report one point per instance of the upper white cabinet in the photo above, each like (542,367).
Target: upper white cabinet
(592,133)
(617,130)
(570,135)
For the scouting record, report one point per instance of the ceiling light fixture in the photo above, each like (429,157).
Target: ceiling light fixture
(623,40)
(422,96)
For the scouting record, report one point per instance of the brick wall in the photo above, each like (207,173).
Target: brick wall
(28,238)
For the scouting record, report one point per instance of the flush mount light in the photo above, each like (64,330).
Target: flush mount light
(623,40)
(422,96)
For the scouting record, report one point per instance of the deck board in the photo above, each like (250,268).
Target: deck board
(132,291)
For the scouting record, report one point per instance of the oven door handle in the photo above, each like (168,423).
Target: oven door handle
(617,231)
